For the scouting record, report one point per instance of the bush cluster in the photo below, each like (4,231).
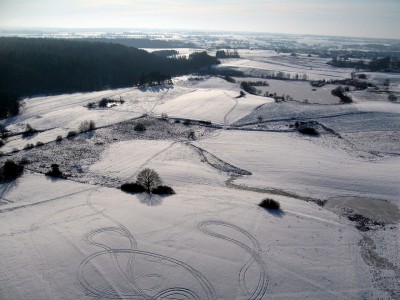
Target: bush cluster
(139,127)
(132,188)
(29,146)
(55,172)
(339,92)
(86,126)
(11,170)
(163,190)
(308,128)
(269,204)
(29,131)
(71,134)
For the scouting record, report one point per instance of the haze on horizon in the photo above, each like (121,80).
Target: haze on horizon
(357,18)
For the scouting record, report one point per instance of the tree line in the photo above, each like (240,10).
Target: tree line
(384,64)
(30,66)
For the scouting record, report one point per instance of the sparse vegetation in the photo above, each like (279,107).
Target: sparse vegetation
(59,138)
(39,144)
(268,203)
(10,170)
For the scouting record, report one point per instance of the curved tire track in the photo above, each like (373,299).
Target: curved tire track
(127,287)
(254,252)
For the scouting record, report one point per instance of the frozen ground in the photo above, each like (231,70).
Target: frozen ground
(265,62)
(83,238)
(298,90)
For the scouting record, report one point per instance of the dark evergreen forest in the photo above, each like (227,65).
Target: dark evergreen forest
(30,66)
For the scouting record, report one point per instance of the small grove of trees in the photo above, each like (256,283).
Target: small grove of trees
(10,171)
(392,97)
(55,172)
(268,203)
(148,181)
(139,127)
(86,126)
(248,87)
(29,131)
(339,92)
(307,127)
(165,53)
(154,78)
(227,54)
(105,102)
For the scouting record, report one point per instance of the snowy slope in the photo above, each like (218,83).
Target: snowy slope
(295,163)
(207,242)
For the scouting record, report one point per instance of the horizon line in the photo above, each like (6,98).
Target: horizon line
(192,30)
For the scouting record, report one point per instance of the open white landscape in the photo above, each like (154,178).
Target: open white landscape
(85,238)
(199,150)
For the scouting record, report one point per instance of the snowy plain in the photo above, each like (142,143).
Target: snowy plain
(68,239)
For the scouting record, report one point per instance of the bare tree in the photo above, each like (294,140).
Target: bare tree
(149,179)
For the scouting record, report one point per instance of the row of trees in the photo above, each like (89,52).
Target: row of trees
(227,54)
(384,64)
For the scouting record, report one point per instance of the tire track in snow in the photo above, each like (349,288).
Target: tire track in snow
(150,159)
(231,110)
(126,286)
(254,252)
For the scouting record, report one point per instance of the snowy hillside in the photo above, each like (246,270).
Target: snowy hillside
(336,235)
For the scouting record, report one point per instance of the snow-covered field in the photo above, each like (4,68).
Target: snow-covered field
(298,90)
(82,238)
(265,62)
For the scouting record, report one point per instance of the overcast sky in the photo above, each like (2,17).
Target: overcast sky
(365,18)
